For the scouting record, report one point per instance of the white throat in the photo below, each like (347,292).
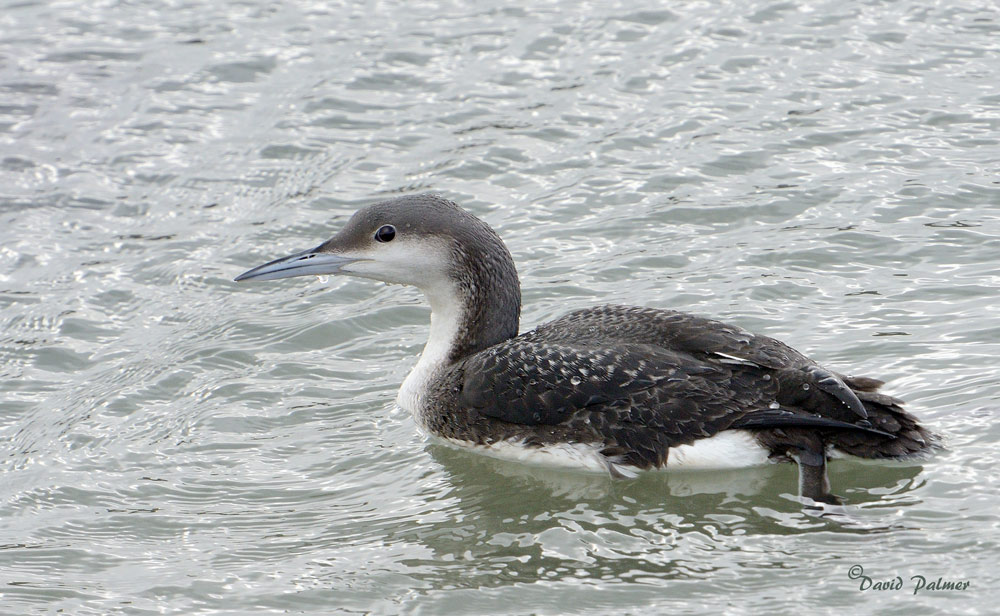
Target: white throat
(447,312)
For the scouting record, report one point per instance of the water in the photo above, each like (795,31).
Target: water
(826,173)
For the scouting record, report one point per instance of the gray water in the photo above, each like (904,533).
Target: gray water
(827,173)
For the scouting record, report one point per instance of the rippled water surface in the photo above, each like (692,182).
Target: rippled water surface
(824,172)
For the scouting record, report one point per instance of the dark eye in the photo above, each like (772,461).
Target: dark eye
(385,233)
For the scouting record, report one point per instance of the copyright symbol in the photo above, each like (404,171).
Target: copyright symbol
(855,572)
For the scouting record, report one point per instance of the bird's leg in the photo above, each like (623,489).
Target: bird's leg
(813,480)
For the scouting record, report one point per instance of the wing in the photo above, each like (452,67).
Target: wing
(638,399)
(801,382)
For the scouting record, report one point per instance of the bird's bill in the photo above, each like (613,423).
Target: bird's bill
(306,263)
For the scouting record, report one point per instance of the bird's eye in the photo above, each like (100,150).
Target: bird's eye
(385,233)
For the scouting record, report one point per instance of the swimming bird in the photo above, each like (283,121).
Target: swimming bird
(610,388)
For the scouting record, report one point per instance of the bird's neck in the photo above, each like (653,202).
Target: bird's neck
(475,305)
(461,324)
(470,315)
(449,322)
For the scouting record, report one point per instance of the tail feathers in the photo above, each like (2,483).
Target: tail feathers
(888,432)
(862,383)
(885,414)
(905,436)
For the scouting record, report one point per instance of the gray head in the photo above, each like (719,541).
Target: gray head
(426,241)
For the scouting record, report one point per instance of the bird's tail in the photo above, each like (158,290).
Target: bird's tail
(904,437)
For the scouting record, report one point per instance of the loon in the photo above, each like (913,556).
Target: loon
(612,388)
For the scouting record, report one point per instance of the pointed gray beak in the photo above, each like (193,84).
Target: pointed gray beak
(306,263)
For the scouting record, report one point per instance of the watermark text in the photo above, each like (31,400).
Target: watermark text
(915,583)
